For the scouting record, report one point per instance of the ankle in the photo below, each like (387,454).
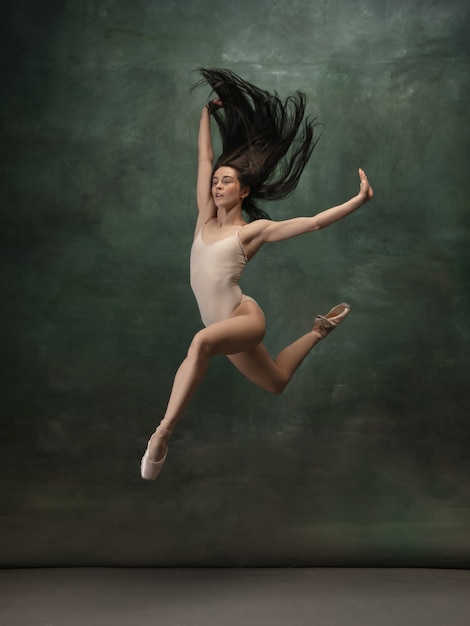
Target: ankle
(163,431)
(317,334)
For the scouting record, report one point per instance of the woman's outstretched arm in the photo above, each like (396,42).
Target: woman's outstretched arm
(264,231)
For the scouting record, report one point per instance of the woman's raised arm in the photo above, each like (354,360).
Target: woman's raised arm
(205,158)
(205,202)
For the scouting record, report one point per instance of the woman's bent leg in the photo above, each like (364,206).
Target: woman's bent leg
(274,375)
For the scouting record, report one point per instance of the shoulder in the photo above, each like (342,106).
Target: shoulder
(255,228)
(254,235)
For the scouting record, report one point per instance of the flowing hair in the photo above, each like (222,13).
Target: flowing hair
(265,139)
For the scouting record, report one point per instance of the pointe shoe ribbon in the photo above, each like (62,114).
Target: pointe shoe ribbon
(324,324)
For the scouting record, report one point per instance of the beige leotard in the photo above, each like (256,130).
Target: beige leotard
(216,269)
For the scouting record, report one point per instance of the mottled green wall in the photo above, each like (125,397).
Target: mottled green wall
(365,459)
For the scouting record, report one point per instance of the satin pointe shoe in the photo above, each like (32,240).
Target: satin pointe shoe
(324,324)
(149,470)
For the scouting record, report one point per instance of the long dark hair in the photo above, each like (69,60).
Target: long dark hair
(265,139)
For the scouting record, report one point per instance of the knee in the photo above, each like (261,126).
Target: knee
(277,386)
(200,348)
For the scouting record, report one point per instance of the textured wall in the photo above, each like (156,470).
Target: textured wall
(364,460)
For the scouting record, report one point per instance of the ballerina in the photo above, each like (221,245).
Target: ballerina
(266,144)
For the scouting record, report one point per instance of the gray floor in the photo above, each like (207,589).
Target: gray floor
(242,597)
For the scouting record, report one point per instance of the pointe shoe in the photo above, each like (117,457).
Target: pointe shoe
(324,324)
(149,470)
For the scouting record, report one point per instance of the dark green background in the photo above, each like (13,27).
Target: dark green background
(365,458)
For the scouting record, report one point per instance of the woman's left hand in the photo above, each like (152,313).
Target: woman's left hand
(365,191)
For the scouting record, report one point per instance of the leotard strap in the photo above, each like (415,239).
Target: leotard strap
(241,245)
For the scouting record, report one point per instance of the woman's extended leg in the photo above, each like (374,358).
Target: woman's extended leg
(274,375)
(236,334)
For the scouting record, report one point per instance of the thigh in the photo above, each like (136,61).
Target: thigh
(243,331)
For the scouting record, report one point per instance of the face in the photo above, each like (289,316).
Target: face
(226,189)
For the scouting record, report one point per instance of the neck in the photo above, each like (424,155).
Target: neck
(231,217)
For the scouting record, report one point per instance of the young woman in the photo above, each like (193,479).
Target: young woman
(266,143)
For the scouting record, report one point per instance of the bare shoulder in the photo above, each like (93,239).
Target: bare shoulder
(253,236)
(263,231)
(269,231)
(253,230)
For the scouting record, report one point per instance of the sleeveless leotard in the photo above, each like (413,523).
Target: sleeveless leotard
(215,271)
